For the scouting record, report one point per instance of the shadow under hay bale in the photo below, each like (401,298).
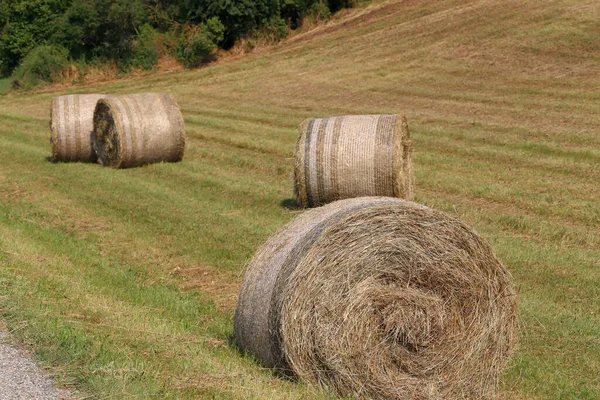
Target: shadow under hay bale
(380,298)
(71,126)
(290,204)
(353,156)
(138,129)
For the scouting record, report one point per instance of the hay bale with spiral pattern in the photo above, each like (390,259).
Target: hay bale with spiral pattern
(353,156)
(380,298)
(137,129)
(71,126)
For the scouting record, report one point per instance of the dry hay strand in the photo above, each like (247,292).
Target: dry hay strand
(380,298)
(138,129)
(353,156)
(71,126)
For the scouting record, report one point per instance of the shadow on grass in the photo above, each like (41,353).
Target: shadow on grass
(290,204)
(282,373)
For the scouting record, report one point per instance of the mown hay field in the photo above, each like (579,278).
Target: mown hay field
(124,282)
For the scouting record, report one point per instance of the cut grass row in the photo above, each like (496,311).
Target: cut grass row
(124,282)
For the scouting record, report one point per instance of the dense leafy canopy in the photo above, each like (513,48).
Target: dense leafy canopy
(136,32)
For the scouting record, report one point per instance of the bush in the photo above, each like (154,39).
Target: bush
(195,47)
(43,64)
(23,25)
(239,17)
(319,11)
(136,33)
(276,30)
(76,29)
(336,5)
(198,43)
(215,30)
(145,51)
(295,11)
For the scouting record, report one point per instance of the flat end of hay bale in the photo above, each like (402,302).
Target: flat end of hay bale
(106,137)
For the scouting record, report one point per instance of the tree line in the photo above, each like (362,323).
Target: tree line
(38,38)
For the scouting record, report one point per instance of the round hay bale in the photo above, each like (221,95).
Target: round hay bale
(380,298)
(71,126)
(353,156)
(138,129)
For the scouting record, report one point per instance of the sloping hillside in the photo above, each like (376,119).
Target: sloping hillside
(124,282)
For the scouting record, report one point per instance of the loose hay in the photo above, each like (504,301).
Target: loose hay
(138,129)
(71,126)
(353,156)
(380,298)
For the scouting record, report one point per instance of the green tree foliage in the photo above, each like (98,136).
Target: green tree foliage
(145,52)
(42,64)
(75,29)
(239,17)
(23,25)
(336,5)
(101,28)
(294,11)
(198,43)
(130,31)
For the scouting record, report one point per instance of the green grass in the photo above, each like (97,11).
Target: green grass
(5,86)
(124,282)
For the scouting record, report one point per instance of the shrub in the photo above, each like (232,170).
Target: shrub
(276,29)
(319,12)
(166,43)
(145,51)
(5,86)
(336,5)
(23,25)
(295,11)
(215,30)
(198,43)
(40,65)
(239,18)
(195,47)
(77,29)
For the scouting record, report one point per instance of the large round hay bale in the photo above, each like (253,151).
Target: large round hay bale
(138,129)
(71,126)
(380,298)
(353,156)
